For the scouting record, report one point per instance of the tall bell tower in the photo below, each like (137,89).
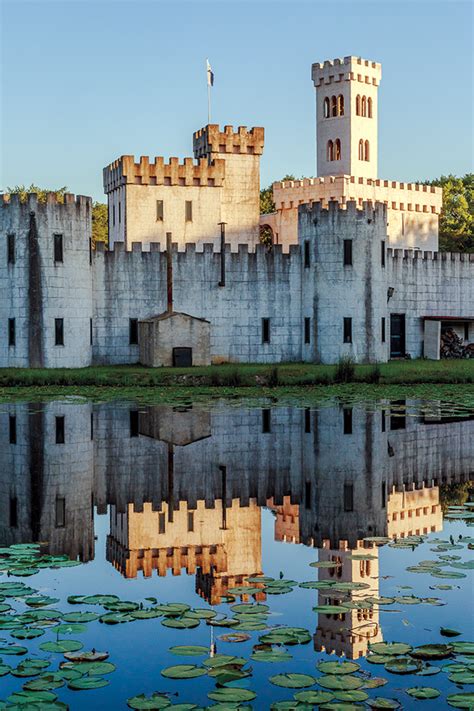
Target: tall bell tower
(346,116)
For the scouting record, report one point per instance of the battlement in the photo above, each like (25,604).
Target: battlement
(125,171)
(346,69)
(210,139)
(64,202)
(374,212)
(238,251)
(428,256)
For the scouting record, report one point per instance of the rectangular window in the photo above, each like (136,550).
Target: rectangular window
(60,512)
(383,329)
(13,512)
(348,497)
(466,331)
(120,212)
(347,252)
(60,429)
(92,425)
(307,259)
(11,332)
(188,211)
(133,331)
(398,418)
(12,429)
(266,420)
(384,495)
(307,420)
(383,421)
(161,523)
(403,223)
(190,521)
(382,252)
(307,330)
(59,332)
(90,331)
(347,330)
(265,330)
(11,249)
(113,215)
(58,248)
(347,415)
(133,423)
(160,214)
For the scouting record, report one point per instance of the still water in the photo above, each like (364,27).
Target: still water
(224,528)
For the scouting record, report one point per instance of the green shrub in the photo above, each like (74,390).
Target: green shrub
(345,370)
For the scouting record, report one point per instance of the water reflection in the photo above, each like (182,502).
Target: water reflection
(185,488)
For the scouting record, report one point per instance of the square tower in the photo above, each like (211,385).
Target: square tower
(346,116)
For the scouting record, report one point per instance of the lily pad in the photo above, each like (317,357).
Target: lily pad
(61,646)
(286,636)
(189,650)
(250,609)
(374,682)
(90,668)
(46,682)
(390,648)
(382,703)
(181,623)
(70,628)
(80,617)
(448,632)
(423,692)
(432,651)
(464,677)
(314,697)
(464,700)
(330,609)
(459,647)
(262,655)
(293,680)
(338,667)
(232,696)
(352,695)
(183,671)
(85,683)
(343,682)
(27,633)
(219,660)
(402,665)
(154,702)
(12,649)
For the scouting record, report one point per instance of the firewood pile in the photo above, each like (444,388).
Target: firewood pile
(454,347)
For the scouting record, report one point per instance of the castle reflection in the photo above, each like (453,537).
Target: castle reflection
(185,488)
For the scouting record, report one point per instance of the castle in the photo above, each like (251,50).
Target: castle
(353,269)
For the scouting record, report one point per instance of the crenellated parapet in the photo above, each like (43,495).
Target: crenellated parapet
(126,171)
(210,140)
(52,201)
(346,69)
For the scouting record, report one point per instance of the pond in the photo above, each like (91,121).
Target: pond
(236,556)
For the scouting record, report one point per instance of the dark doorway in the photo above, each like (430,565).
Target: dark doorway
(397,335)
(182,357)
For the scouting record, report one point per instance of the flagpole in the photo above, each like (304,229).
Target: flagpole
(208,92)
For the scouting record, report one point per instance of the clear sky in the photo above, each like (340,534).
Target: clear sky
(84,82)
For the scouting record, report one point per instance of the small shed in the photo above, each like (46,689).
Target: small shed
(174,339)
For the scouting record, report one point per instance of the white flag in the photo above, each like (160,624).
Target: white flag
(210,74)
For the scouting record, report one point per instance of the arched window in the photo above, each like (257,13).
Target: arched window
(340,105)
(337,149)
(330,151)
(326,108)
(333,106)
(358,105)
(361,149)
(366,151)
(364,106)
(369,107)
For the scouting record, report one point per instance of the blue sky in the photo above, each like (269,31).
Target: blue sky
(84,82)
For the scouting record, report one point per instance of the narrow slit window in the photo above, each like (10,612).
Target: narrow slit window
(307,420)
(160,213)
(11,249)
(133,331)
(92,425)
(383,329)
(133,423)
(60,512)
(382,253)
(347,419)
(348,497)
(189,211)
(266,420)
(60,430)
(13,517)
(347,330)
(120,212)
(11,332)
(12,429)
(384,495)
(90,332)
(190,521)
(58,249)
(347,252)
(161,523)
(265,330)
(307,256)
(59,332)
(307,330)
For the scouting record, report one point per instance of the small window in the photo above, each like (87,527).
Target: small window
(133,423)
(266,420)
(348,253)
(58,248)
(60,438)
(307,257)
(190,521)
(265,330)
(361,149)
(398,417)
(383,329)
(11,249)
(347,418)
(333,106)
(133,332)
(60,512)
(358,105)
(337,149)
(384,495)
(466,330)
(366,151)
(340,105)
(11,332)
(161,523)
(12,429)
(364,106)
(13,512)
(120,212)
(330,151)
(189,211)
(160,215)
(307,330)
(113,215)
(383,421)
(307,420)
(369,107)
(92,425)
(326,108)
(382,253)
(59,332)
(347,330)
(90,332)
(348,497)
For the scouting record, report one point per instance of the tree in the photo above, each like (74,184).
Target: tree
(99,210)
(266,197)
(456,221)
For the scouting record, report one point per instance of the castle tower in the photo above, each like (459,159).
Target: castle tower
(346,116)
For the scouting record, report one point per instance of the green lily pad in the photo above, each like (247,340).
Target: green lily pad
(330,609)
(46,682)
(189,650)
(464,677)
(423,692)
(286,636)
(181,623)
(28,698)
(61,646)
(228,695)
(223,622)
(183,671)
(374,682)
(390,648)
(40,601)
(219,660)
(450,574)
(250,609)
(120,606)
(146,614)
(12,649)
(352,695)
(4,669)
(342,682)
(428,670)
(85,683)
(154,702)
(201,613)
(379,658)
(325,564)
(83,656)
(293,680)
(314,697)
(116,618)
(464,700)
(448,632)
(458,647)
(28,633)
(80,617)
(432,651)
(382,703)
(402,665)
(173,608)
(262,655)
(70,628)
(99,599)
(338,667)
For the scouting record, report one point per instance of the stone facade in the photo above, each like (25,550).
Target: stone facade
(161,335)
